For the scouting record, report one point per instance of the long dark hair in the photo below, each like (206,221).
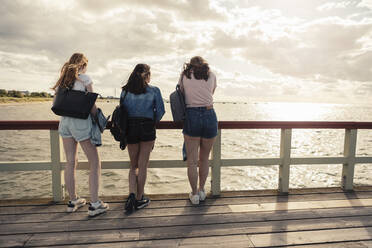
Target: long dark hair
(138,79)
(70,71)
(198,66)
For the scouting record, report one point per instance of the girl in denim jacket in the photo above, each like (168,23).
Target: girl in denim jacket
(145,107)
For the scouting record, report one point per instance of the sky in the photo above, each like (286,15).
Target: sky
(268,50)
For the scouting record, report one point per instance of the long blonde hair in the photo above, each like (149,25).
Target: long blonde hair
(70,71)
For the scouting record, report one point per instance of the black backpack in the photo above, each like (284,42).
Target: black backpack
(119,124)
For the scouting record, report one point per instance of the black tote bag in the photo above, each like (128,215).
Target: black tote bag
(73,103)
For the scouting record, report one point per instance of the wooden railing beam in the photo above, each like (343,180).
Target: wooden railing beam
(216,166)
(285,156)
(349,154)
(56,155)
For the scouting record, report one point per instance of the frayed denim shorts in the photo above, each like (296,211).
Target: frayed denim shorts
(79,129)
(200,122)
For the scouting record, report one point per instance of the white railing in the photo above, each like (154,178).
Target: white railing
(348,160)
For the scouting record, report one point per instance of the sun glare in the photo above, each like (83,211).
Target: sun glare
(295,111)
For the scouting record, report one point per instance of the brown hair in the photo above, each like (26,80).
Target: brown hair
(70,71)
(198,66)
(137,82)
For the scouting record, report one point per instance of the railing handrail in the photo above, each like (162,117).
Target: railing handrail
(53,125)
(284,161)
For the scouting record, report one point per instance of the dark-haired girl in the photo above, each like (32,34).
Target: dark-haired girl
(145,107)
(200,127)
(74,131)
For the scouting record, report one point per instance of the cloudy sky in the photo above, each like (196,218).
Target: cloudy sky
(268,50)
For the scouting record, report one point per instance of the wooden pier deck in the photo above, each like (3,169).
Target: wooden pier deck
(327,217)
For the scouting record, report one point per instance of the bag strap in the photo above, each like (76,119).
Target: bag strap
(154,108)
(126,92)
(178,86)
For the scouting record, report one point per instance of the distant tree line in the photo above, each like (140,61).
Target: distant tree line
(20,94)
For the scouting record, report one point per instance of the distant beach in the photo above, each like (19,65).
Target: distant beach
(12,100)
(5,100)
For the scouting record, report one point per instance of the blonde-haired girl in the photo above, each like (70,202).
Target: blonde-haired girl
(74,130)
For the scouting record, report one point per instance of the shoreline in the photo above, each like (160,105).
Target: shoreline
(23,100)
(16,100)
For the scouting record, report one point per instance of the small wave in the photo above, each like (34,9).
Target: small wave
(110,186)
(164,146)
(109,173)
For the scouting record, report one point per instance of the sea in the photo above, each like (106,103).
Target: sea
(34,145)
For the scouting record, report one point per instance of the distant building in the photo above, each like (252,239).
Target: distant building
(25,92)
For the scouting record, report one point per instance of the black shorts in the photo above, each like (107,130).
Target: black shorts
(140,129)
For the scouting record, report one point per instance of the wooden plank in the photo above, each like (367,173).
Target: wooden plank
(121,221)
(115,234)
(25,166)
(61,208)
(301,205)
(216,166)
(84,237)
(285,156)
(118,218)
(56,155)
(28,125)
(115,165)
(318,160)
(46,125)
(349,153)
(311,237)
(216,242)
(140,219)
(200,242)
(250,162)
(363,160)
(14,240)
(249,227)
(182,196)
(346,244)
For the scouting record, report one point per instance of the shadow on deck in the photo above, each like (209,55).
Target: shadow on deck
(326,217)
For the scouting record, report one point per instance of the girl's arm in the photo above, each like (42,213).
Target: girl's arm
(93,111)
(159,105)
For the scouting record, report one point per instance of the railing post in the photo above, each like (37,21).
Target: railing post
(216,165)
(285,156)
(57,178)
(349,153)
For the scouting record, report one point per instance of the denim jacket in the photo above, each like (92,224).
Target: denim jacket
(98,127)
(144,105)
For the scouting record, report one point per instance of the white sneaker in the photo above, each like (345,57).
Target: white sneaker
(202,195)
(72,206)
(98,207)
(194,198)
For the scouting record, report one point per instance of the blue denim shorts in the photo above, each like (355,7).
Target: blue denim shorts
(200,122)
(79,129)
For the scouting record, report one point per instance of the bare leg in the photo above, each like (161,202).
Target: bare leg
(70,147)
(205,149)
(90,151)
(133,151)
(192,147)
(143,161)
